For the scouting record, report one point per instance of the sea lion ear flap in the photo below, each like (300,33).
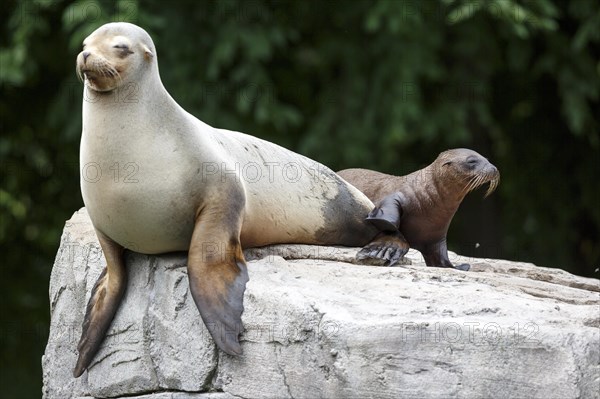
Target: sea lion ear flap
(386,215)
(147,52)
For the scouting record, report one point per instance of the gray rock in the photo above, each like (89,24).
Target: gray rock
(319,328)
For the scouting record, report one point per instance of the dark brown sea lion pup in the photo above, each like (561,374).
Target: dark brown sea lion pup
(155,179)
(421,205)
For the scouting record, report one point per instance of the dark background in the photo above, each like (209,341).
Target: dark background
(381,84)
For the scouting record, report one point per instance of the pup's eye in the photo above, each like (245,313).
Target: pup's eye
(121,46)
(472,161)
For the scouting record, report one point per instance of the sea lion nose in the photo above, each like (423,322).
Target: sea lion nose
(85,55)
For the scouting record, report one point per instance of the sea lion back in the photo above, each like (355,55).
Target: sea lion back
(375,185)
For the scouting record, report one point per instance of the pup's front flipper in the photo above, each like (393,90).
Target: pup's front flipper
(103,304)
(387,249)
(387,213)
(218,275)
(390,246)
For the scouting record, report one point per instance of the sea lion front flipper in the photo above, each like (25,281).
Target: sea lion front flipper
(103,304)
(389,247)
(218,275)
(386,215)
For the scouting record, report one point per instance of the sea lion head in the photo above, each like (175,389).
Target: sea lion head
(467,170)
(114,55)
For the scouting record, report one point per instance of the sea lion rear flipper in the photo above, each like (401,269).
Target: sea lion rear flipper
(218,275)
(465,267)
(386,247)
(103,304)
(386,215)
(436,255)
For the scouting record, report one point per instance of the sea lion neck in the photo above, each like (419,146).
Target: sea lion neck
(429,188)
(446,182)
(134,101)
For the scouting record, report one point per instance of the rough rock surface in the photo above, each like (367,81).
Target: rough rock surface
(328,329)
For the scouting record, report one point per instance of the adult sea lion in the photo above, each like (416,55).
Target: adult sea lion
(421,205)
(155,179)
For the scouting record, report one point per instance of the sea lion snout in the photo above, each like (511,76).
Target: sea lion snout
(107,58)
(97,72)
(486,168)
(491,170)
(483,172)
(493,175)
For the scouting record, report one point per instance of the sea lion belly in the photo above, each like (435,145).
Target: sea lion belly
(139,222)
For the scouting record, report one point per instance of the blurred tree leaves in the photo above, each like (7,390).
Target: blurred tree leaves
(383,84)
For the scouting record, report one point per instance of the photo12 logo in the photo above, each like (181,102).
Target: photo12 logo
(91,172)
(254,172)
(471,332)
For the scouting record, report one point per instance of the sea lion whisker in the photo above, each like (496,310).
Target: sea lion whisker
(79,74)
(493,185)
(465,189)
(483,181)
(469,187)
(106,71)
(474,185)
(114,71)
(111,71)
(466,181)
(477,182)
(118,77)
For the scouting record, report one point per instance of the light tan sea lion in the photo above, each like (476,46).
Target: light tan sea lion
(155,179)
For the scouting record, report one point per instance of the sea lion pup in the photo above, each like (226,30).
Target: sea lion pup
(155,179)
(421,205)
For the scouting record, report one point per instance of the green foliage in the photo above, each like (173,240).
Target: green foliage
(383,84)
